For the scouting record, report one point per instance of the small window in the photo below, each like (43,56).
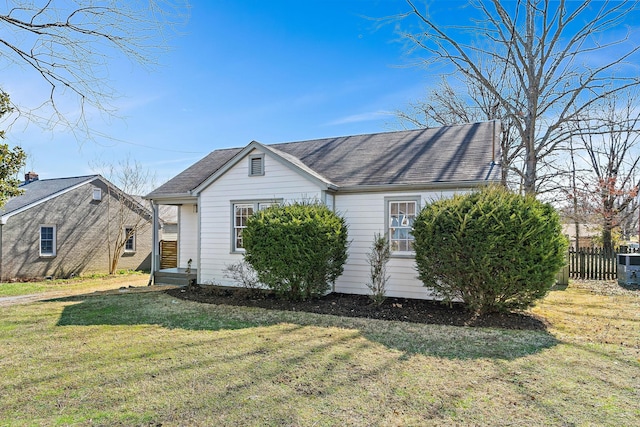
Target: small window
(47,240)
(130,235)
(256,165)
(400,218)
(97,194)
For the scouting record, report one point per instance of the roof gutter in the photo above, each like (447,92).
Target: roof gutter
(460,185)
(172,199)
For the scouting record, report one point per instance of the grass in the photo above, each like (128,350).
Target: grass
(75,285)
(144,358)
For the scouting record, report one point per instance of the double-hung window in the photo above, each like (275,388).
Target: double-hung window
(47,240)
(241,213)
(130,243)
(401,214)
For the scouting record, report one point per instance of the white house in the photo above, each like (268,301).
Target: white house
(377,182)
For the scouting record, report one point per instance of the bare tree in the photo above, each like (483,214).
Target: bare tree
(549,48)
(11,159)
(610,140)
(129,215)
(69,45)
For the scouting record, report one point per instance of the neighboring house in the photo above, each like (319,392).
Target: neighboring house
(377,182)
(168,236)
(588,234)
(168,215)
(62,227)
(168,223)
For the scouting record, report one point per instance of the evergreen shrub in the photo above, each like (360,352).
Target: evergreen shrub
(494,250)
(297,250)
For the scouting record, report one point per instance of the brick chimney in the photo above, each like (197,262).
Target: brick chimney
(30,177)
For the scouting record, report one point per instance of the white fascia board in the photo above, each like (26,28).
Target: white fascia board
(255,145)
(5,218)
(173,199)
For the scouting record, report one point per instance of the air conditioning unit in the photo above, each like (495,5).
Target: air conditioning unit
(629,269)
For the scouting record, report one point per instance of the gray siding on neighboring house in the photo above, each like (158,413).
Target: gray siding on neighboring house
(81,237)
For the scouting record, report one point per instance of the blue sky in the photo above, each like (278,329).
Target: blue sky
(243,70)
(271,71)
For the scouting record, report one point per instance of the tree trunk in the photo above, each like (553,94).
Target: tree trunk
(504,170)
(607,243)
(530,175)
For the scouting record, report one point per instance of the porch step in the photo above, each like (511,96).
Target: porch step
(173,276)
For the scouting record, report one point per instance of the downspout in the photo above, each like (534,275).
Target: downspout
(155,243)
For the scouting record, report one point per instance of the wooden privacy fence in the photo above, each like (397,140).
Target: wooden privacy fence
(594,263)
(168,254)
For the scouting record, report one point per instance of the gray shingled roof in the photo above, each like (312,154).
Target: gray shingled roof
(460,153)
(195,174)
(38,190)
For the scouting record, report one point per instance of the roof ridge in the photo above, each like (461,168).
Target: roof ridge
(66,177)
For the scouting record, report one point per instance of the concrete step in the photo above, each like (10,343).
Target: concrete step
(173,278)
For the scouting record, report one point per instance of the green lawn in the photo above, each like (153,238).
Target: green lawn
(144,358)
(77,285)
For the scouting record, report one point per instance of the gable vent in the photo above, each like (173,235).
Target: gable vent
(256,166)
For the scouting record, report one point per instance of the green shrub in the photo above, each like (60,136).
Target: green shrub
(297,250)
(493,249)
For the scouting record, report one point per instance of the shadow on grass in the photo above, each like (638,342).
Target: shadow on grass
(160,309)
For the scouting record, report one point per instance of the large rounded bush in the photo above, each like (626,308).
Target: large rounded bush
(492,249)
(298,250)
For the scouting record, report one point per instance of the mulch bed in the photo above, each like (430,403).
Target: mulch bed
(402,309)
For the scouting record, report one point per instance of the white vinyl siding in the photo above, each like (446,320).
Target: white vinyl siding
(281,183)
(365,215)
(187,235)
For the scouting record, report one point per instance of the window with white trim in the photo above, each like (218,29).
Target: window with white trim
(97,194)
(130,243)
(241,213)
(400,217)
(47,240)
